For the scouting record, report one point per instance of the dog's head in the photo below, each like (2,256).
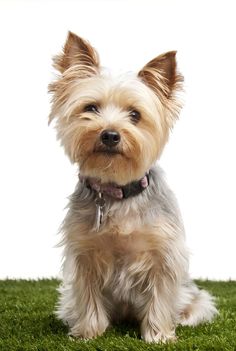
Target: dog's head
(114,128)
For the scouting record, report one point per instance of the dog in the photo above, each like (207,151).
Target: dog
(124,242)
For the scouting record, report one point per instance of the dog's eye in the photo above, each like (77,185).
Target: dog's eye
(91,108)
(135,116)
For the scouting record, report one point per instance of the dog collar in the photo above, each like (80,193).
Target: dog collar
(115,191)
(112,190)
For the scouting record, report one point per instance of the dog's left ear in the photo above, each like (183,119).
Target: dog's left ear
(77,51)
(161,75)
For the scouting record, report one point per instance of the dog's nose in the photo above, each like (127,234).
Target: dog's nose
(110,138)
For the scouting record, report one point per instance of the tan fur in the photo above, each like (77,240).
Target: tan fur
(141,257)
(76,50)
(136,263)
(140,146)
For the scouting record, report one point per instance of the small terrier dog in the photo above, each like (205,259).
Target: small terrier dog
(123,237)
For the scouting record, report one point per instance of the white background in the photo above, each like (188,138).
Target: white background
(199,160)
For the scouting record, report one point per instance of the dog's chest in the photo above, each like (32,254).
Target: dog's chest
(122,245)
(122,248)
(125,218)
(130,259)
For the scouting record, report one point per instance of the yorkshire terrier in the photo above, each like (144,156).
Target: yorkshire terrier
(124,243)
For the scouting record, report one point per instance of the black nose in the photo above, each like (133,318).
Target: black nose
(110,138)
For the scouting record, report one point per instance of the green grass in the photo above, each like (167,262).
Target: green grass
(27,322)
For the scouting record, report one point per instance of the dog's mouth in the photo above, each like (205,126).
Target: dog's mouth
(108,151)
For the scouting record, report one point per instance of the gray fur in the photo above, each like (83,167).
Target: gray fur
(125,290)
(155,201)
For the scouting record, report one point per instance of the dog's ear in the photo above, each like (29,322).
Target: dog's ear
(77,51)
(161,75)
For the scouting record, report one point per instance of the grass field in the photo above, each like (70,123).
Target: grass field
(27,322)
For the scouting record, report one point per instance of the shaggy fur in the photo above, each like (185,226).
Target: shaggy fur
(136,263)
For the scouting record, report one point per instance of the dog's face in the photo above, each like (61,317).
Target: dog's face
(114,128)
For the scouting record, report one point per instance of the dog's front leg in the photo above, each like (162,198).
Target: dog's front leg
(82,303)
(156,312)
(92,318)
(152,291)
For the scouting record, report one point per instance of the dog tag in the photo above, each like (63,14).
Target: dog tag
(100,204)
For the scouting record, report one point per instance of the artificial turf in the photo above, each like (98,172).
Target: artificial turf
(27,322)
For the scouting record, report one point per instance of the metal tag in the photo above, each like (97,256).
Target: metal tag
(100,204)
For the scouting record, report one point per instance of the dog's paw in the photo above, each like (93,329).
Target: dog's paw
(85,334)
(150,335)
(88,331)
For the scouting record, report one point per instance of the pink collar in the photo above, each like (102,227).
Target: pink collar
(116,191)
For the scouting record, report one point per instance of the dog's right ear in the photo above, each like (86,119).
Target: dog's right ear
(77,51)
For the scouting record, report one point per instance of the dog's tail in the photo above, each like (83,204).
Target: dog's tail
(195,306)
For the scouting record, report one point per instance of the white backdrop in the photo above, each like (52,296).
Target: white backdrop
(199,160)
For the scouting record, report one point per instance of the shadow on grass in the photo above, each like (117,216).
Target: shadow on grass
(55,326)
(50,325)
(38,326)
(125,328)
